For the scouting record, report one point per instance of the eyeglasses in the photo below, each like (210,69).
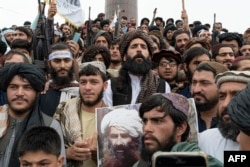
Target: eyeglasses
(165,64)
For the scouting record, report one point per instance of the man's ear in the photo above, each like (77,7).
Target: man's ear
(181,129)
(60,161)
(105,85)
(49,63)
(185,67)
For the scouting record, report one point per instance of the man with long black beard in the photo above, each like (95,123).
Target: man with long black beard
(225,135)
(77,116)
(205,93)
(166,128)
(62,85)
(136,80)
(121,130)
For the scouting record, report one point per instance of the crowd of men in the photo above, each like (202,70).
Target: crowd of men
(52,84)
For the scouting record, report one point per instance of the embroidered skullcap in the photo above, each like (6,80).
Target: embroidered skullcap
(179,102)
(126,120)
(28,71)
(100,65)
(233,76)
(238,109)
(129,36)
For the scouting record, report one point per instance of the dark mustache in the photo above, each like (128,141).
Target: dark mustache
(199,95)
(19,98)
(139,56)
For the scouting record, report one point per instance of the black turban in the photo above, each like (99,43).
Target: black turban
(28,71)
(238,109)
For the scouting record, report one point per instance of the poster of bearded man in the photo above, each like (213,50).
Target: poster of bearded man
(120,132)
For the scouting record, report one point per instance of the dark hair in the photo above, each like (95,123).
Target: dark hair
(216,48)
(202,41)
(167,107)
(178,32)
(40,138)
(236,62)
(59,46)
(92,70)
(116,41)
(93,50)
(12,52)
(104,22)
(103,33)
(229,36)
(206,67)
(3,47)
(169,27)
(142,20)
(62,25)
(124,17)
(194,52)
(27,31)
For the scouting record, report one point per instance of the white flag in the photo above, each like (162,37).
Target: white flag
(71,11)
(113,21)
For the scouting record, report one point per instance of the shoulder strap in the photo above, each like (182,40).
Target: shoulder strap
(162,86)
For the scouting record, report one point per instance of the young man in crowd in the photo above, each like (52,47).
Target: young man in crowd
(23,83)
(205,93)
(62,85)
(77,116)
(40,146)
(225,134)
(166,128)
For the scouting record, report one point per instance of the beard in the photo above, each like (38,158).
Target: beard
(146,153)
(92,103)
(115,61)
(126,159)
(228,129)
(61,80)
(209,104)
(21,111)
(137,68)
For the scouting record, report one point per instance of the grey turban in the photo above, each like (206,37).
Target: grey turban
(28,71)
(126,120)
(238,109)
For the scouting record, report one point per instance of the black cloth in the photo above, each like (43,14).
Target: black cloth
(28,71)
(238,109)
(123,95)
(202,124)
(34,119)
(50,101)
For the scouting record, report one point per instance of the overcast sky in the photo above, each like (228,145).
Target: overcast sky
(234,15)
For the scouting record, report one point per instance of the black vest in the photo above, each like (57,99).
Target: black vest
(124,96)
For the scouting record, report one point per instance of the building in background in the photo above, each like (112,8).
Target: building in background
(128,8)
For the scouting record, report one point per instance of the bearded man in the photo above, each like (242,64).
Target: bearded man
(136,80)
(77,116)
(225,135)
(121,129)
(62,85)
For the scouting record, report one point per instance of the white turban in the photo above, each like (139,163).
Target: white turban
(123,119)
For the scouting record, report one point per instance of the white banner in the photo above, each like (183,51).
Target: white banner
(71,11)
